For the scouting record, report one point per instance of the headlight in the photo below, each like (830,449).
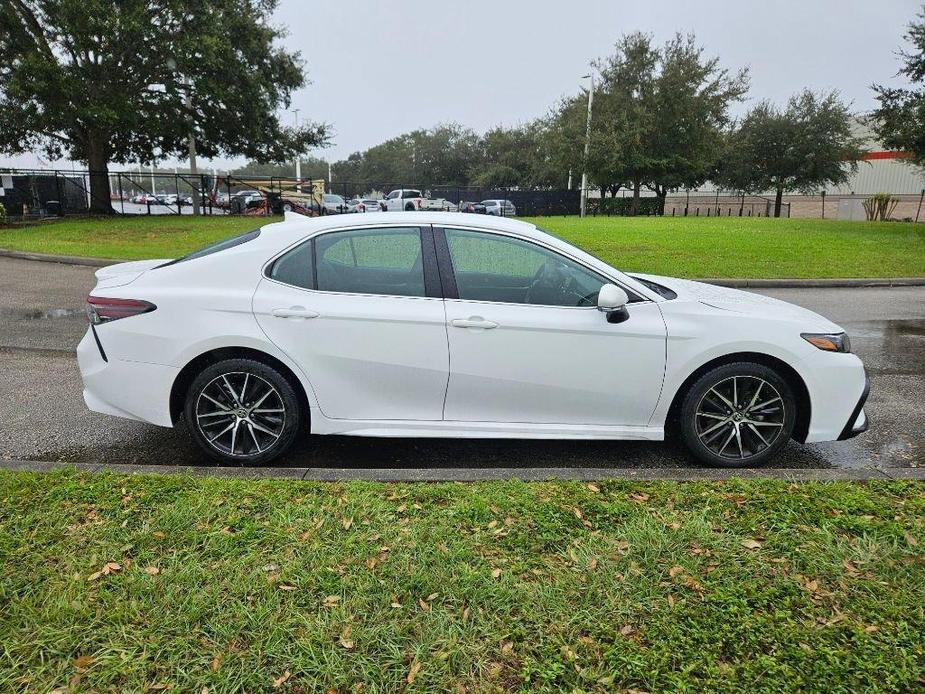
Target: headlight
(828,342)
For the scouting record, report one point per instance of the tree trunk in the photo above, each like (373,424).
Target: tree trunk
(98,163)
(777,201)
(634,207)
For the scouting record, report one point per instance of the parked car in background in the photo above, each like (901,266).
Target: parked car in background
(327,326)
(499,208)
(471,207)
(363,205)
(334,204)
(244,200)
(404,200)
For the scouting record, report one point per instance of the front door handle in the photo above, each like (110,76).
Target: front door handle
(295,312)
(473,322)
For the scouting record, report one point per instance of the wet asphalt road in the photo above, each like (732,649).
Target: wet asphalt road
(43,417)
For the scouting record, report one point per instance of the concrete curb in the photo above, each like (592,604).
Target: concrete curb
(64,259)
(720,282)
(475,475)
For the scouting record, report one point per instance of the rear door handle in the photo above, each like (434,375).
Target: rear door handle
(473,322)
(295,312)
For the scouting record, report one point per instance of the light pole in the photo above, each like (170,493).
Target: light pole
(584,163)
(298,158)
(187,89)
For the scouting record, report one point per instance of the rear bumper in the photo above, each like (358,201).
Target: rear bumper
(858,422)
(129,389)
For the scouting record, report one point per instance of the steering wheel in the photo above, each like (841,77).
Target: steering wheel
(554,277)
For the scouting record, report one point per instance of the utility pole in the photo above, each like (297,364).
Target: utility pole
(194,173)
(298,159)
(153,189)
(584,165)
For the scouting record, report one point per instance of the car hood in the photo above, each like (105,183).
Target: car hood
(746,303)
(121,274)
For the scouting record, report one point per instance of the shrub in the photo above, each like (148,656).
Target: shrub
(880,206)
(2,214)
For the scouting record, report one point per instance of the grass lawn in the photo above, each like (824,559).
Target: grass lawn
(118,583)
(683,247)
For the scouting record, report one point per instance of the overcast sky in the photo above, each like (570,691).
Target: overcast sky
(378,69)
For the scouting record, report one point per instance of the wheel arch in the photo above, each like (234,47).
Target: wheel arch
(787,372)
(188,373)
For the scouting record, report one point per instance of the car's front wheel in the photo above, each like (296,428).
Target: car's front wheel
(242,411)
(737,415)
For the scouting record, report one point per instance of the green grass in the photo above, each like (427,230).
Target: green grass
(683,247)
(759,586)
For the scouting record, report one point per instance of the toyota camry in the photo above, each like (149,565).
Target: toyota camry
(444,325)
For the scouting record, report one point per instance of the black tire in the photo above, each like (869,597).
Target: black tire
(749,433)
(409,207)
(262,433)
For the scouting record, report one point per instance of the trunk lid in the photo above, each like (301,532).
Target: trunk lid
(121,274)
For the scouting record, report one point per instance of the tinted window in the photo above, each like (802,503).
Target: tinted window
(491,267)
(411,194)
(394,194)
(295,267)
(216,247)
(371,261)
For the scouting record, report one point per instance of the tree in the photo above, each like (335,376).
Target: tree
(900,120)
(659,114)
(75,80)
(809,144)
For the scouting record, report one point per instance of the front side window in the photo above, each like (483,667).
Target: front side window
(490,267)
(371,261)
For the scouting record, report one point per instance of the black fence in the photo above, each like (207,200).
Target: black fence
(39,193)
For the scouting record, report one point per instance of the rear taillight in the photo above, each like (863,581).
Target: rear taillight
(102,309)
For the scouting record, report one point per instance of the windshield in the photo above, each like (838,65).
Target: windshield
(222,245)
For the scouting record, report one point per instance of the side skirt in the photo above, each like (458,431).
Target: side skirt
(479,430)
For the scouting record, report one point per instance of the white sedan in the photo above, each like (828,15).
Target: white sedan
(436,325)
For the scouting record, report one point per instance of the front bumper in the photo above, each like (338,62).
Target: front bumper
(858,422)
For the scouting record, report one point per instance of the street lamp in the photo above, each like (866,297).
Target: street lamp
(298,158)
(584,164)
(187,88)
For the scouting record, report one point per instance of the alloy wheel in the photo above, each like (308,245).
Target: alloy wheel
(240,414)
(740,417)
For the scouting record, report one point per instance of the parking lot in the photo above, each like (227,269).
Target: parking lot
(43,417)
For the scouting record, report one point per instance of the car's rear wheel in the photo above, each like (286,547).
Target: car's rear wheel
(409,207)
(737,415)
(242,411)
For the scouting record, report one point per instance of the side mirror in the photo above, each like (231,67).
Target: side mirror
(612,301)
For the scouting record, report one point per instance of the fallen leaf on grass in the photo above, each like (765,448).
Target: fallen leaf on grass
(670,600)
(344,640)
(413,673)
(82,662)
(287,586)
(492,524)
(496,573)
(152,570)
(592,565)
(627,629)
(217,662)
(871,629)
(110,567)
(675,570)
(424,604)
(347,523)
(159,687)
(281,680)
(593,488)
(330,601)
(639,498)
(910,539)
(751,544)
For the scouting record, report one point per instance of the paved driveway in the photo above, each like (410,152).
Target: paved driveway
(42,415)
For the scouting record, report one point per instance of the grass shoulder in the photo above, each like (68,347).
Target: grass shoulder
(132,582)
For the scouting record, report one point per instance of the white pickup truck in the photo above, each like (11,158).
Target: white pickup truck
(410,200)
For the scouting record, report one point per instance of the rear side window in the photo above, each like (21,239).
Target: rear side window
(223,245)
(295,267)
(371,261)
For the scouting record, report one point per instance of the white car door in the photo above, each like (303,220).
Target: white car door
(528,345)
(360,311)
